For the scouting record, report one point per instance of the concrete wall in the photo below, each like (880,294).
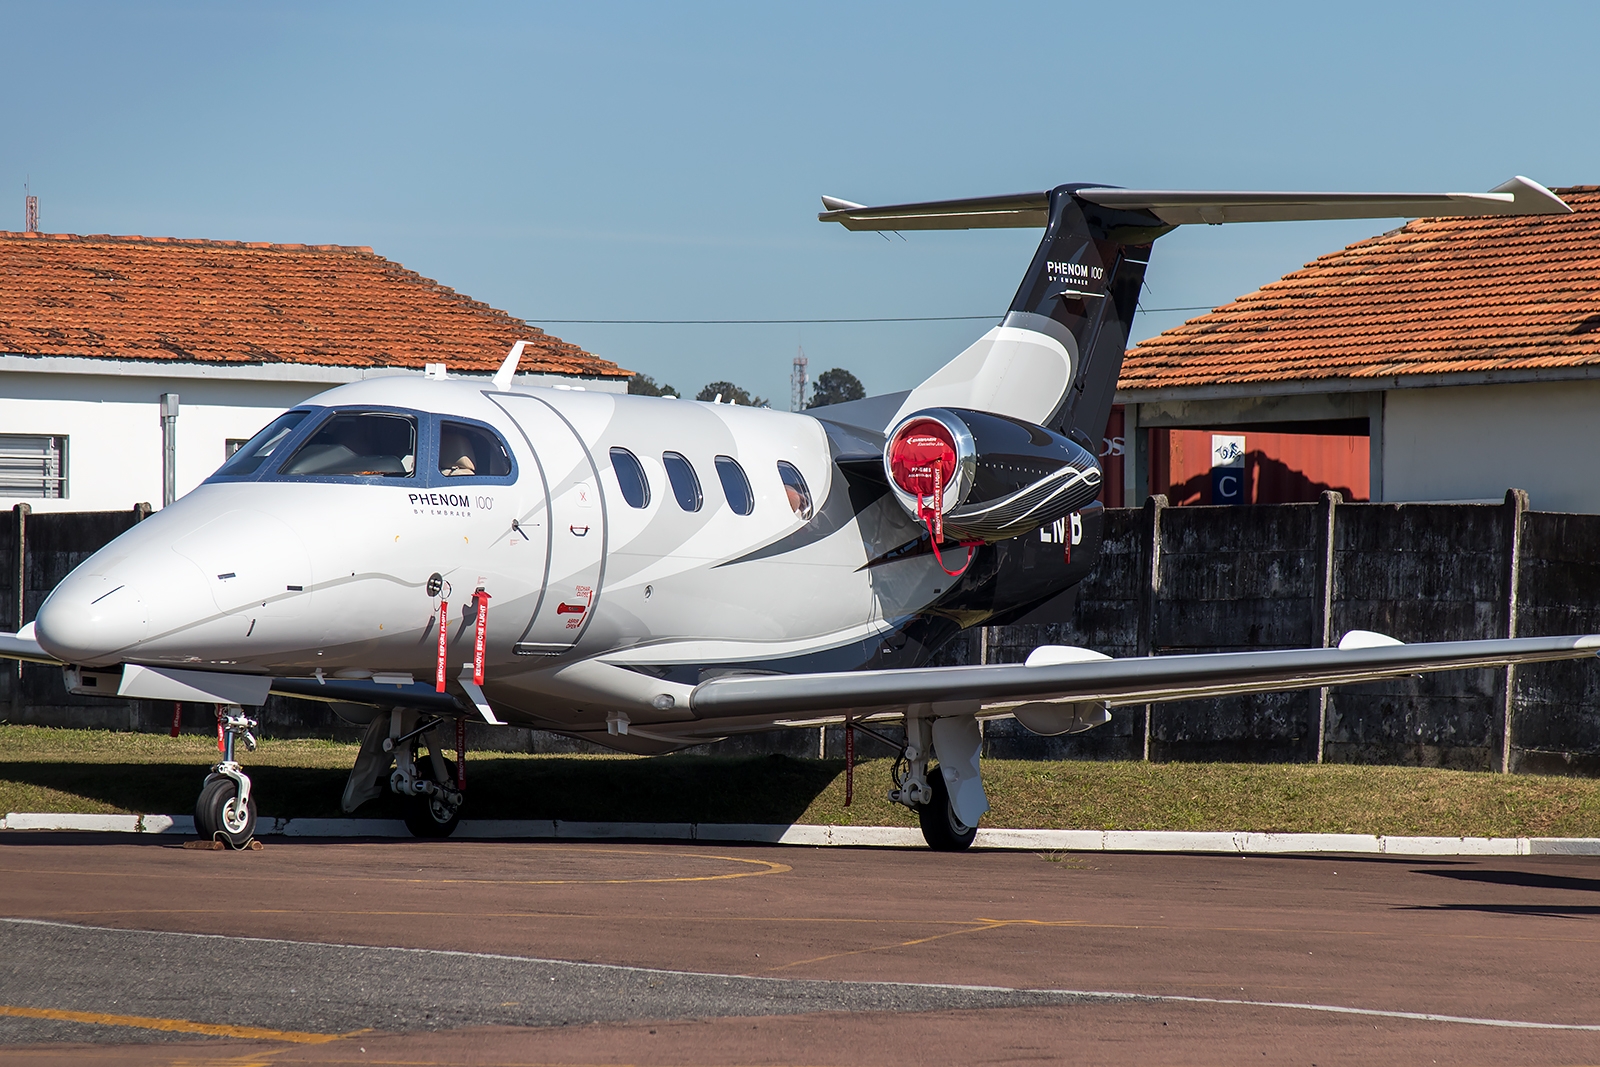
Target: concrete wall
(1170,580)
(1470,442)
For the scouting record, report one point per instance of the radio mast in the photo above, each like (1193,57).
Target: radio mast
(797,381)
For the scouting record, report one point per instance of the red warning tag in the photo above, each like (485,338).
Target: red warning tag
(444,646)
(479,636)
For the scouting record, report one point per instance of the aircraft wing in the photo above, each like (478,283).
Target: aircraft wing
(1179,207)
(1141,680)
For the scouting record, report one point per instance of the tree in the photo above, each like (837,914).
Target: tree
(644,385)
(835,387)
(730,393)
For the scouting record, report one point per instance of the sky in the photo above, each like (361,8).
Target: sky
(664,161)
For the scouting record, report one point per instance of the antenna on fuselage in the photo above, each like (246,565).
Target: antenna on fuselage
(502,377)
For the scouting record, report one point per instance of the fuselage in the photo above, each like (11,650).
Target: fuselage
(627,545)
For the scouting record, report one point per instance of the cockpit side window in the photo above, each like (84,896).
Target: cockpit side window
(471,451)
(262,446)
(373,444)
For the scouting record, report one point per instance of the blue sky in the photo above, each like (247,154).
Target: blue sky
(664,161)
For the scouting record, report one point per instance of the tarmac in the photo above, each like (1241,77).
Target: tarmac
(128,948)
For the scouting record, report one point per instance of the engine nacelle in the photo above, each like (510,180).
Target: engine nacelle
(986,477)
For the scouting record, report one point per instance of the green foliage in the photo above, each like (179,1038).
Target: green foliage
(835,387)
(731,394)
(644,385)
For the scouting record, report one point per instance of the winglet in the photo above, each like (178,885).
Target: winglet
(1533,198)
(502,377)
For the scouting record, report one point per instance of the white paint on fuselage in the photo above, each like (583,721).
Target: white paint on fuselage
(363,552)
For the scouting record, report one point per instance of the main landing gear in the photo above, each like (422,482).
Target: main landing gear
(949,818)
(226,809)
(430,787)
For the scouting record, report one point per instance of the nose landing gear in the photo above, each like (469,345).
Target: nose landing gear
(226,809)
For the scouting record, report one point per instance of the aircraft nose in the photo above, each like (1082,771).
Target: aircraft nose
(91,619)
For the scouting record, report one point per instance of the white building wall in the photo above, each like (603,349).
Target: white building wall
(113,422)
(113,427)
(1475,442)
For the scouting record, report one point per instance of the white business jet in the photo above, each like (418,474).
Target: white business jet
(649,573)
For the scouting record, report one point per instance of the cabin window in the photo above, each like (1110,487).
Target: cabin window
(248,458)
(471,451)
(735,486)
(370,444)
(794,486)
(630,477)
(685,484)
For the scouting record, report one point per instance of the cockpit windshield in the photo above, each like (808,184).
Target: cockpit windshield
(262,446)
(374,444)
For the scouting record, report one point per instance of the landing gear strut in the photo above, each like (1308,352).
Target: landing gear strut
(405,750)
(227,808)
(925,788)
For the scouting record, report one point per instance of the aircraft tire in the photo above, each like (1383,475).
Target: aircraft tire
(940,828)
(426,816)
(217,812)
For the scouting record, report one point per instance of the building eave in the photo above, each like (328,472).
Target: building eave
(1302,386)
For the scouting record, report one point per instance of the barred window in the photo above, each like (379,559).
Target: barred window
(33,465)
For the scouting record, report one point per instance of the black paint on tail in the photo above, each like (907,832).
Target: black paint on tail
(1083,285)
(1082,289)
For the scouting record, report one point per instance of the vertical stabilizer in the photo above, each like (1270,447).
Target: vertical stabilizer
(1055,358)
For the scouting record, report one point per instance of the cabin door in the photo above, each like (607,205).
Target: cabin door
(572,521)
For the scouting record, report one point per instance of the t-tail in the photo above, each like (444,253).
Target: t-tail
(1054,362)
(1055,358)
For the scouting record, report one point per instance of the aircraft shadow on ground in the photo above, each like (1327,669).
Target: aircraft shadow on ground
(758,789)
(1525,879)
(1521,880)
(1552,911)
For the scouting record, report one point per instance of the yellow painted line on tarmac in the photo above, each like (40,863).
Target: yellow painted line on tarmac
(765,867)
(976,928)
(177,1026)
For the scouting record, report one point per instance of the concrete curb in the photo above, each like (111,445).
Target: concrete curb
(1241,844)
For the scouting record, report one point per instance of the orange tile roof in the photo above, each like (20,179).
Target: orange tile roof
(1437,296)
(233,302)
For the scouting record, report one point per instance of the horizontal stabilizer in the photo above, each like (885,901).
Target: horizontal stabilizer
(981,213)
(1179,207)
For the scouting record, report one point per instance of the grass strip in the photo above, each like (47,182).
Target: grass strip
(91,771)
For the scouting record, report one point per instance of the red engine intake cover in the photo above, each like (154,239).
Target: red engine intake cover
(915,451)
